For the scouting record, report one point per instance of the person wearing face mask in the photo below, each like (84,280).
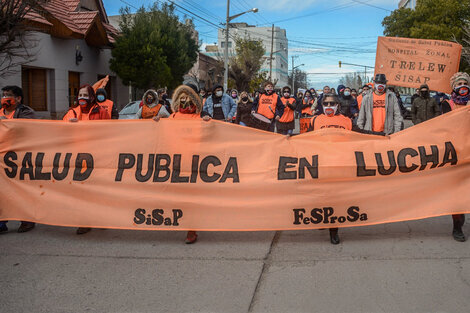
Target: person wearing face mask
(102,99)
(87,109)
(244,105)
(354,93)
(152,106)
(348,103)
(220,106)
(285,125)
(12,108)
(234,95)
(424,108)
(308,103)
(163,99)
(269,105)
(365,90)
(187,105)
(331,118)
(379,110)
(460,97)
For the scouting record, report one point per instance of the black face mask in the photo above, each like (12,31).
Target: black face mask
(245,99)
(424,94)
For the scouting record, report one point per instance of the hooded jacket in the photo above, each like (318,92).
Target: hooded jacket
(424,108)
(193,98)
(393,117)
(229,107)
(163,112)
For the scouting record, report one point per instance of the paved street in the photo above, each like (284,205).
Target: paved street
(402,267)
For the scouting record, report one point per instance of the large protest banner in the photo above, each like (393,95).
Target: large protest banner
(409,62)
(183,175)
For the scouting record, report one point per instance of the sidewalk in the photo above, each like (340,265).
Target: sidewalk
(401,267)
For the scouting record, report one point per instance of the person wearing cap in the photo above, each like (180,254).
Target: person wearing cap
(13,108)
(331,118)
(379,111)
(460,97)
(424,107)
(110,106)
(269,104)
(220,106)
(285,125)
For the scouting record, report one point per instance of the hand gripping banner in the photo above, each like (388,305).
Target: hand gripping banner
(196,175)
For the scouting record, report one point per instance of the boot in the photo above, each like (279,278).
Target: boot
(334,237)
(457,233)
(191,237)
(26,226)
(3,227)
(83,230)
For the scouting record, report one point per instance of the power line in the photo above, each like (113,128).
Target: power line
(371,5)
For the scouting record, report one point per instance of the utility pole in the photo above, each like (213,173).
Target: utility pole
(271,55)
(293,76)
(226,47)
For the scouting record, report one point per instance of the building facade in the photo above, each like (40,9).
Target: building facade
(270,37)
(72,46)
(409,4)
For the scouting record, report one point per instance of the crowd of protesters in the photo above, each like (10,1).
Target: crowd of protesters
(374,109)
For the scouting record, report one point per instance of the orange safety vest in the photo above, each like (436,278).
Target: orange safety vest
(8,116)
(308,110)
(288,115)
(267,105)
(148,112)
(108,105)
(77,113)
(336,121)
(359,101)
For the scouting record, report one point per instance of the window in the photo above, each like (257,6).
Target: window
(74,84)
(34,83)
(229,44)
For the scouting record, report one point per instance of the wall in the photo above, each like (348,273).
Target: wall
(58,55)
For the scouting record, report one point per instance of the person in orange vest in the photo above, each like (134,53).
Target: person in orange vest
(187,105)
(285,125)
(365,90)
(308,102)
(460,97)
(12,108)
(152,106)
(331,118)
(269,105)
(87,109)
(102,99)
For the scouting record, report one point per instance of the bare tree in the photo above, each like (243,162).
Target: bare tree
(352,80)
(16,42)
(466,44)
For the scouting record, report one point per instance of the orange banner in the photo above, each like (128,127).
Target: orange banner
(196,175)
(409,62)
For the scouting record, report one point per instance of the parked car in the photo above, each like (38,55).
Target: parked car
(407,105)
(129,111)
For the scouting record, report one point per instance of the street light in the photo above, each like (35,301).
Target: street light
(229,18)
(293,77)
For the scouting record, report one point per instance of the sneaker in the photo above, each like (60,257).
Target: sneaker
(191,237)
(26,226)
(3,227)
(83,230)
(458,235)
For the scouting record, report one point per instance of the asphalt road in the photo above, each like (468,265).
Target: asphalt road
(401,267)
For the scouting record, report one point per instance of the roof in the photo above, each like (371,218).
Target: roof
(74,23)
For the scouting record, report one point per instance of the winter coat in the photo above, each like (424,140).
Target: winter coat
(24,111)
(393,117)
(244,112)
(229,107)
(348,106)
(424,109)
(97,112)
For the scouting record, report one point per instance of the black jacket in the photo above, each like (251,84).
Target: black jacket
(24,111)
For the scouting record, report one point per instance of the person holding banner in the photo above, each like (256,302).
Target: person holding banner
(244,105)
(13,107)
(220,105)
(87,109)
(269,106)
(460,97)
(152,106)
(285,125)
(424,107)
(331,118)
(379,111)
(187,105)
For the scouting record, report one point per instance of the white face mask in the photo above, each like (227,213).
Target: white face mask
(330,111)
(380,87)
(347,93)
(219,93)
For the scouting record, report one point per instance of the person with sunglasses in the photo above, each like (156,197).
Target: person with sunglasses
(331,118)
